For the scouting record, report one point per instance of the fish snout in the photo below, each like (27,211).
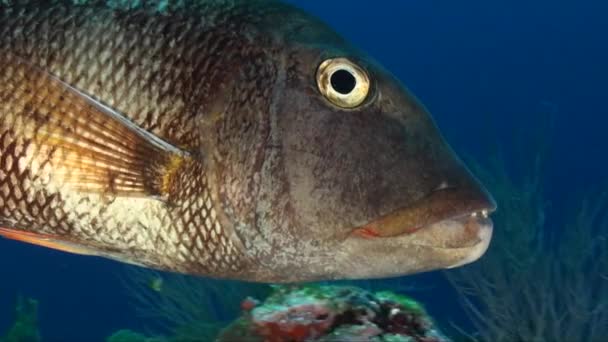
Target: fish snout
(448,228)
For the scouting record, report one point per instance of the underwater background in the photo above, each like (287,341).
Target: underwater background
(510,80)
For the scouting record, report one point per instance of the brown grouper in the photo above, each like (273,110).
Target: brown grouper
(239,139)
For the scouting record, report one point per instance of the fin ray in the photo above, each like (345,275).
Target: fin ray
(88,145)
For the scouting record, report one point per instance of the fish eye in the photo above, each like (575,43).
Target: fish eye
(343,83)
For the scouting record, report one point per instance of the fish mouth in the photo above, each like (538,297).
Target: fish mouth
(454,218)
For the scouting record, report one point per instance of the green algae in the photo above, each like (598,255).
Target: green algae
(25,326)
(402,300)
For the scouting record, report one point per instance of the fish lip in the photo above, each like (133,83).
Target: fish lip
(448,204)
(483,217)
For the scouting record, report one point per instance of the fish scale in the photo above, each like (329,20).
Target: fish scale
(71,52)
(69,214)
(119,58)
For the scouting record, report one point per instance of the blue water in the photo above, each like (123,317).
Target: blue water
(471,62)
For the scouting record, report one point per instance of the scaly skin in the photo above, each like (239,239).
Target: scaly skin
(256,175)
(163,73)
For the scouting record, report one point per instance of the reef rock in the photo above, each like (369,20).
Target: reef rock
(332,313)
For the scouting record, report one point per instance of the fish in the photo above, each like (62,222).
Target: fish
(233,139)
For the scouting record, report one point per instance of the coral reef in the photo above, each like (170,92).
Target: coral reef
(25,327)
(332,313)
(320,313)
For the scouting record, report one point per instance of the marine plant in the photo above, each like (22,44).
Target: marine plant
(187,308)
(132,336)
(25,327)
(541,279)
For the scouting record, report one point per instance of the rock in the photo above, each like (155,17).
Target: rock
(332,313)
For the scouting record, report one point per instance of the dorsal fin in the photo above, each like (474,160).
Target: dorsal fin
(89,146)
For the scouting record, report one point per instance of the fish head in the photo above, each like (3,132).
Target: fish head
(356,179)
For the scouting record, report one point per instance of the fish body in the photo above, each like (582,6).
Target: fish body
(227,138)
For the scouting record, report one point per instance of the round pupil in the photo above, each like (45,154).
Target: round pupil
(343,81)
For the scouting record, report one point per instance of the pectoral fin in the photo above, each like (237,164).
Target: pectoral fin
(88,145)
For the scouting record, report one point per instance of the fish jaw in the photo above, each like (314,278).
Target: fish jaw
(449,228)
(449,243)
(484,234)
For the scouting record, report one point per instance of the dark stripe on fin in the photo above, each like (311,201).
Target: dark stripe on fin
(90,146)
